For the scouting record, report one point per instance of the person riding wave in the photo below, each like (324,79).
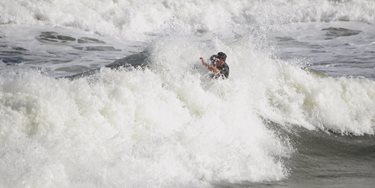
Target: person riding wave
(218,66)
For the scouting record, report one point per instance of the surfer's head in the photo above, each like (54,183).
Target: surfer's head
(222,56)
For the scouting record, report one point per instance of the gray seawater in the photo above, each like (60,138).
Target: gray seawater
(325,159)
(338,48)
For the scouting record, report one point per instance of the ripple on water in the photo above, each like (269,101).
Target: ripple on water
(334,32)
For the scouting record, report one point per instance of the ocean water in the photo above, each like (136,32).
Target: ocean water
(298,109)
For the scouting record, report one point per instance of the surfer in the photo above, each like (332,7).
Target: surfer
(218,66)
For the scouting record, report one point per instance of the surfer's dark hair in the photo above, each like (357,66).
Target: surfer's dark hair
(222,55)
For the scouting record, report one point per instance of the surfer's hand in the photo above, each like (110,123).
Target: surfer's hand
(202,61)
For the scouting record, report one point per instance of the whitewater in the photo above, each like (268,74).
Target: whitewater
(296,111)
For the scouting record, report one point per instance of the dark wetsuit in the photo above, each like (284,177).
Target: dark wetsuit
(224,72)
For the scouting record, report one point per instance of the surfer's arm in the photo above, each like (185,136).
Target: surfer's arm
(210,67)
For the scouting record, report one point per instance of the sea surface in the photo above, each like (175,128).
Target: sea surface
(298,109)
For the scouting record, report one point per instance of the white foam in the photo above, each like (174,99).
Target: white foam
(130,129)
(167,126)
(137,20)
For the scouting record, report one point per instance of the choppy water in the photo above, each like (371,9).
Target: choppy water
(297,110)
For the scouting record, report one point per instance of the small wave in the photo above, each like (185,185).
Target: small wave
(136,20)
